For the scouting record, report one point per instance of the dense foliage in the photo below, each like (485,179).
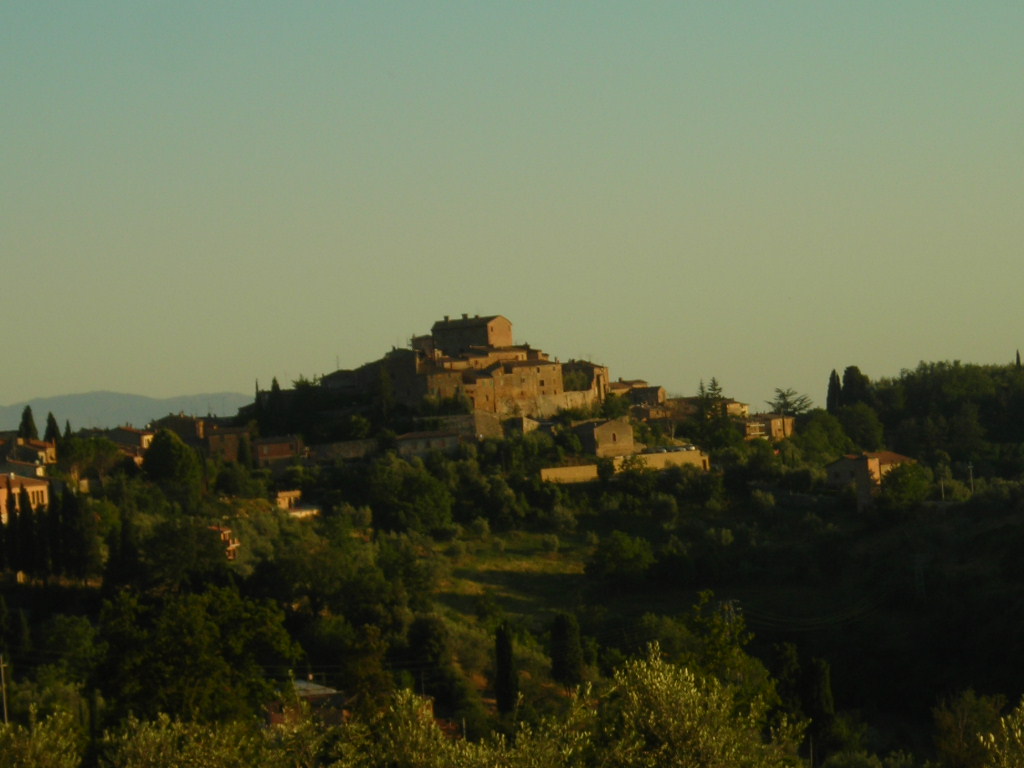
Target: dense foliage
(548,625)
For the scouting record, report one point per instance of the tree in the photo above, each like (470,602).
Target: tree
(405,496)
(819,703)
(788,403)
(52,433)
(201,657)
(27,429)
(52,742)
(506,676)
(620,557)
(863,426)
(174,467)
(905,486)
(958,722)
(715,428)
(834,398)
(1004,746)
(566,650)
(856,387)
(668,715)
(79,541)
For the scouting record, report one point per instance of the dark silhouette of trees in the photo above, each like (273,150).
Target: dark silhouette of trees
(27,429)
(52,433)
(834,398)
(175,468)
(856,387)
(789,403)
(506,676)
(566,650)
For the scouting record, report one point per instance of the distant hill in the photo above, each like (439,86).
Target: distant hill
(113,409)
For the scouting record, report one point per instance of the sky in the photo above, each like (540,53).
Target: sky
(196,196)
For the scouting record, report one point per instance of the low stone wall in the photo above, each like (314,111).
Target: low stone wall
(697,459)
(585,473)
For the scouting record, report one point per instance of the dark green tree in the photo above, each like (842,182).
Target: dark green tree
(834,398)
(206,657)
(26,549)
(905,486)
(819,703)
(52,433)
(40,534)
(80,538)
(506,676)
(787,673)
(27,429)
(862,425)
(789,403)
(405,496)
(566,650)
(856,387)
(174,467)
(715,428)
(124,559)
(382,394)
(620,558)
(432,657)
(11,536)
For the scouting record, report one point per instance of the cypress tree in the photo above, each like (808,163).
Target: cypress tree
(819,703)
(566,651)
(80,537)
(40,534)
(124,563)
(52,433)
(834,398)
(53,521)
(27,429)
(506,677)
(28,544)
(11,529)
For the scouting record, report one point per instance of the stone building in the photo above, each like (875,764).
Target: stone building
(475,359)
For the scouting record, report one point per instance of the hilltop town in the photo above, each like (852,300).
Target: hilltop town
(457,533)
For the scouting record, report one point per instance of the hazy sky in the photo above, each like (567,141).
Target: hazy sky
(196,195)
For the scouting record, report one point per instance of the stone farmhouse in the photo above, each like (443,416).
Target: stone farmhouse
(865,472)
(476,358)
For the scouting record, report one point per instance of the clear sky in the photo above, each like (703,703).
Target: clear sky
(196,195)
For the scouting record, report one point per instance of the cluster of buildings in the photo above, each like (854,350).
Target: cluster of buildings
(476,359)
(503,386)
(23,464)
